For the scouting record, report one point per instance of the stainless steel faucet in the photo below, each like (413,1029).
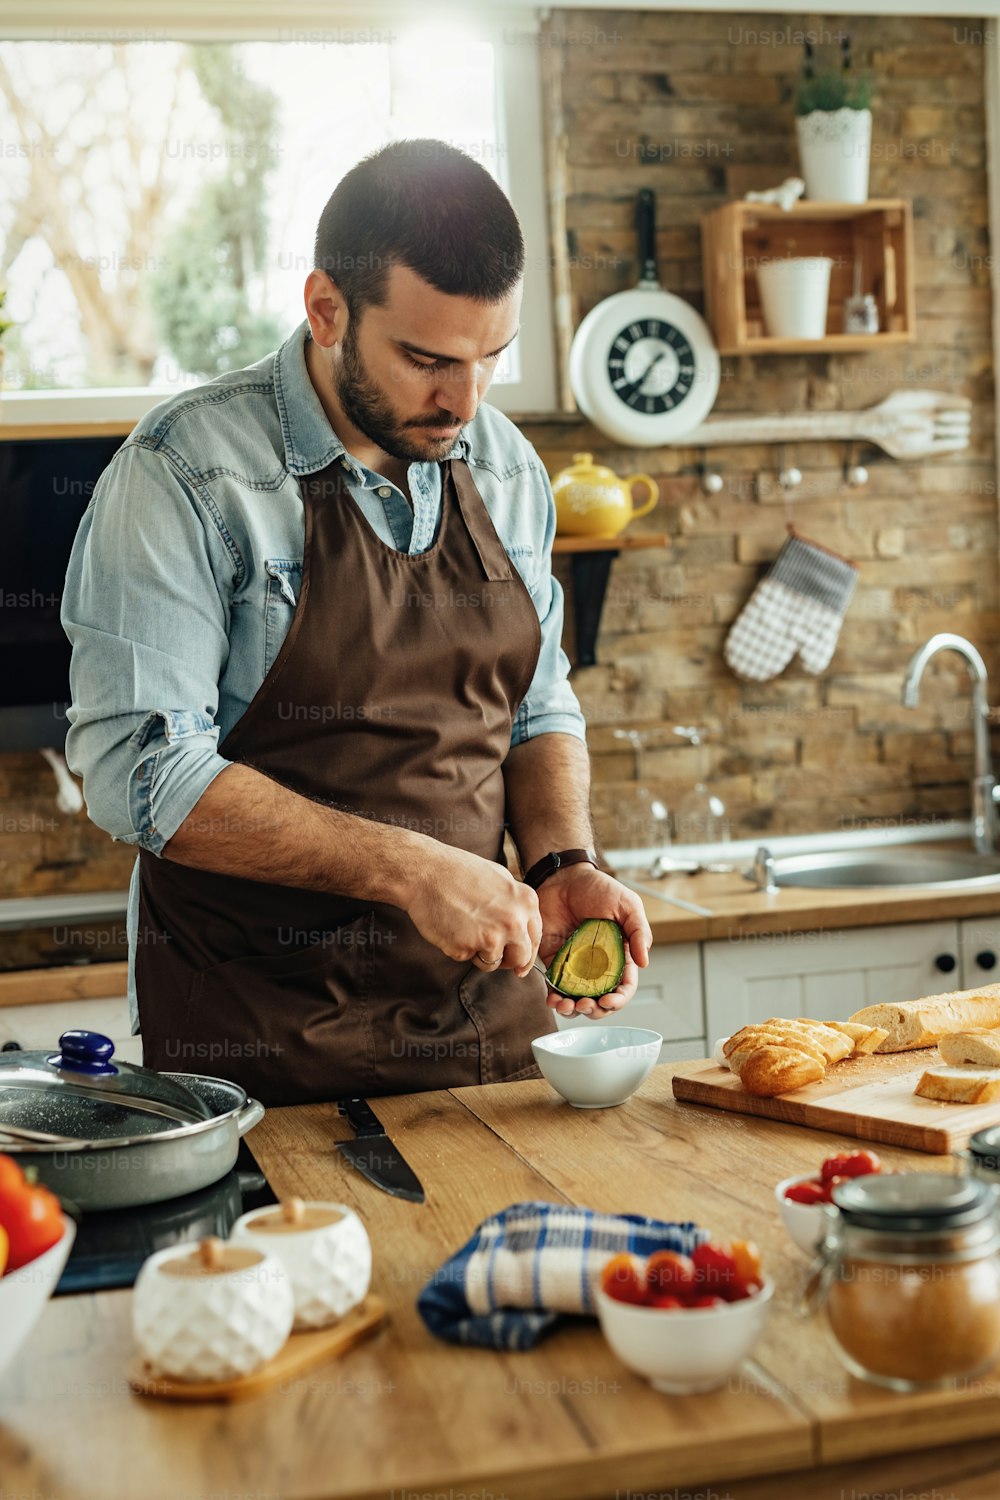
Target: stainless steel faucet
(984,787)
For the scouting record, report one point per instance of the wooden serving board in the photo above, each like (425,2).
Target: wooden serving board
(868,1097)
(302,1351)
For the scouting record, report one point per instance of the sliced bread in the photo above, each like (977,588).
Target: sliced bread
(922,1023)
(960,1085)
(980,1049)
(865,1038)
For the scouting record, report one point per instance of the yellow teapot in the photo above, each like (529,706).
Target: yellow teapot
(591,500)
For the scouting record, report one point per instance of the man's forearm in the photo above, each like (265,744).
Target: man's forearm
(548,795)
(248,825)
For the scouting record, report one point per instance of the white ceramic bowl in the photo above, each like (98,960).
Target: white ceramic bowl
(595,1067)
(806,1223)
(684,1350)
(330,1266)
(24,1293)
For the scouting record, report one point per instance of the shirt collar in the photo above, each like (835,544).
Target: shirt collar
(310,442)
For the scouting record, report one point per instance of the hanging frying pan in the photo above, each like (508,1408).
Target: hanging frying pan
(643,366)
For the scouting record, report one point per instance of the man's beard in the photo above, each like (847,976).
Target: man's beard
(364,405)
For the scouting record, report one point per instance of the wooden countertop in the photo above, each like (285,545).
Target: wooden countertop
(737,908)
(407,1414)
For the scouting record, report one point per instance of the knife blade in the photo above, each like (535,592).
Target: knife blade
(374,1155)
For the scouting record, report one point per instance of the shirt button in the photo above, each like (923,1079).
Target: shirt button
(384,491)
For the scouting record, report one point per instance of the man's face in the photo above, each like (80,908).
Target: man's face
(410,373)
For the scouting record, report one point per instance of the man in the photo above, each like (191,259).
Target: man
(316,671)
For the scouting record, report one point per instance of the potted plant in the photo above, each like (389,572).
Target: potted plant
(834,128)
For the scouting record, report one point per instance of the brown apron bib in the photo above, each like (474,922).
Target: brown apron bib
(392,697)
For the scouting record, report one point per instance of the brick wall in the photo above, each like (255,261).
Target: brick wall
(700,108)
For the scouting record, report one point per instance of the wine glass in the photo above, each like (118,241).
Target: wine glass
(700,815)
(643,822)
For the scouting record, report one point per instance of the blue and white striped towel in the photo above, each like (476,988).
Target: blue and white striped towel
(525,1267)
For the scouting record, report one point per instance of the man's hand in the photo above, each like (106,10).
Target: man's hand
(473,909)
(575,894)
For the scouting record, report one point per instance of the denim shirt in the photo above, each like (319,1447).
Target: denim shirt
(185,571)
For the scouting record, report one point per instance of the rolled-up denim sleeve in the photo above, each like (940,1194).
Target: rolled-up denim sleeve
(550,705)
(145,607)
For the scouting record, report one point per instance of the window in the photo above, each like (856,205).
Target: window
(158,198)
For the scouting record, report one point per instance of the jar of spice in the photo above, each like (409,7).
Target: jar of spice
(910,1274)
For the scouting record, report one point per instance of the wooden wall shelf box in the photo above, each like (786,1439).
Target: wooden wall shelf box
(738,237)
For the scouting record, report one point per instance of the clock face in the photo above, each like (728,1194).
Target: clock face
(651,366)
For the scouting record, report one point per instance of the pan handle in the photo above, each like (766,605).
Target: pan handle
(250,1115)
(645,223)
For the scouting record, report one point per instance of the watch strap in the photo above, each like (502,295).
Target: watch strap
(555,860)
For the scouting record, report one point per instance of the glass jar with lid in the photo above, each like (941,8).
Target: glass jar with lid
(910,1276)
(981,1158)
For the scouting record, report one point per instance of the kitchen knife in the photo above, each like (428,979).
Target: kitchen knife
(374,1155)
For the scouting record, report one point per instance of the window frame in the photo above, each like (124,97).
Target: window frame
(513,31)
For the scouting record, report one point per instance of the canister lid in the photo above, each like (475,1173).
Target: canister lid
(914,1202)
(984,1147)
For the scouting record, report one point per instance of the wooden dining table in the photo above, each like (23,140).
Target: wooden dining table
(408,1416)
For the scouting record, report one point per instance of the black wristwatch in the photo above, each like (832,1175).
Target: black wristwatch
(550,863)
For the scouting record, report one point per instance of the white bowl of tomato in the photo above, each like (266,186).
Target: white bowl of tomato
(35,1240)
(806,1203)
(684,1322)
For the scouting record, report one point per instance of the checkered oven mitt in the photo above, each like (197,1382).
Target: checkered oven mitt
(798,607)
(525,1267)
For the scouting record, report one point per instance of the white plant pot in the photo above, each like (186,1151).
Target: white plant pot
(835,148)
(794,295)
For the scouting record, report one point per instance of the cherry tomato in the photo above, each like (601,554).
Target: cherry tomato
(714,1268)
(623,1279)
(4,1248)
(664,1299)
(668,1273)
(705,1299)
(807,1192)
(830,1184)
(850,1164)
(31,1216)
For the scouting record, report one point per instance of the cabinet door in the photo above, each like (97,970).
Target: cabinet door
(668,1000)
(979,951)
(824,975)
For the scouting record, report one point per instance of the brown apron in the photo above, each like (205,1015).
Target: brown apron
(392,697)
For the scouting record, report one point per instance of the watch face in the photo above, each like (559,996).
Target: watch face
(651,366)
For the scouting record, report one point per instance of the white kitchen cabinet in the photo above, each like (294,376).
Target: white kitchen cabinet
(979,951)
(828,975)
(668,1000)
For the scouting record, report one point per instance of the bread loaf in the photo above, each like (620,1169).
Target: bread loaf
(922,1023)
(960,1085)
(979,1049)
(775,1070)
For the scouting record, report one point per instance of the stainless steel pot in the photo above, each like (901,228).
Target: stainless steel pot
(124,1135)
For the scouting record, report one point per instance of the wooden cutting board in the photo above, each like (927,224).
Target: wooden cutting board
(868,1097)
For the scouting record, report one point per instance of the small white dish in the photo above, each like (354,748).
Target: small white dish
(806,1223)
(23,1293)
(684,1350)
(323,1247)
(596,1067)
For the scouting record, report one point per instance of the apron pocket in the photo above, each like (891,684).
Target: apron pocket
(289,1027)
(508,1013)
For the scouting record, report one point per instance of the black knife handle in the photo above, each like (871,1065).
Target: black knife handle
(362,1116)
(645,223)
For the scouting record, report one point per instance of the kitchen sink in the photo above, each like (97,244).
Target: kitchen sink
(888,867)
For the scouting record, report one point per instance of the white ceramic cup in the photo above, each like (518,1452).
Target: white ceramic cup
(211,1311)
(325,1250)
(794,295)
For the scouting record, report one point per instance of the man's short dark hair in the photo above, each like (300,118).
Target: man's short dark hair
(426,205)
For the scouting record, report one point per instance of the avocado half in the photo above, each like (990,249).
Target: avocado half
(590,962)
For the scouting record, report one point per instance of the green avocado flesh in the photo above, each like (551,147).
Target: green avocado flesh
(591,961)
